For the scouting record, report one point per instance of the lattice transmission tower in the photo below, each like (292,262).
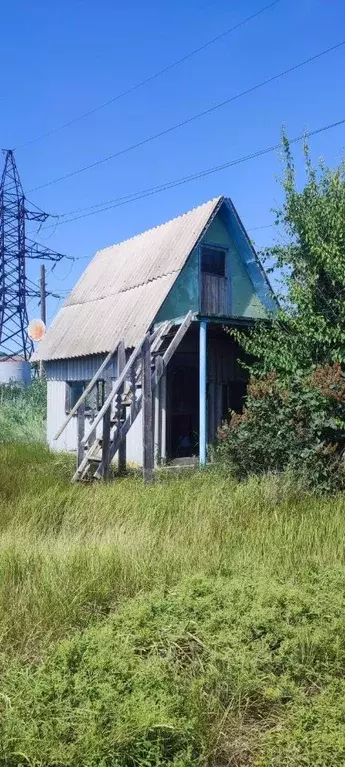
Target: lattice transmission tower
(15,248)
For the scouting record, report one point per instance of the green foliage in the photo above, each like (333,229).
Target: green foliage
(312,733)
(309,327)
(23,412)
(216,671)
(292,422)
(296,425)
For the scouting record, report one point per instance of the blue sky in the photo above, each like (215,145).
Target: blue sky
(62,59)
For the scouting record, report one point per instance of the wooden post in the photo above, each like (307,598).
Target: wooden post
(163,409)
(158,413)
(80,432)
(121,362)
(202,393)
(92,438)
(87,391)
(106,430)
(43,293)
(133,390)
(148,461)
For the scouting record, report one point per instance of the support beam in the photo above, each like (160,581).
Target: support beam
(159,367)
(87,391)
(163,384)
(106,431)
(138,366)
(80,432)
(121,362)
(148,457)
(118,383)
(43,292)
(202,392)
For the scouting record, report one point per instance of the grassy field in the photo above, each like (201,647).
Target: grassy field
(22,412)
(195,622)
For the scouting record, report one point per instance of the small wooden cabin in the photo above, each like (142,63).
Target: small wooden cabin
(137,360)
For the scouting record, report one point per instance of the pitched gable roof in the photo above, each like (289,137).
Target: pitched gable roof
(123,287)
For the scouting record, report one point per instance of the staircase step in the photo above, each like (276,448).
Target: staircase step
(127,397)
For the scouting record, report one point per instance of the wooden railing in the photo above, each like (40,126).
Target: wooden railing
(143,370)
(88,389)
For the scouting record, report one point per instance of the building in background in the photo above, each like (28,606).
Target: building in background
(15,370)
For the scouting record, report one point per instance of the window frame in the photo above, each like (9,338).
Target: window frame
(217,249)
(74,390)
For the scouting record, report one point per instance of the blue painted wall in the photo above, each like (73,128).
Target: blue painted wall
(184,295)
(248,291)
(243,300)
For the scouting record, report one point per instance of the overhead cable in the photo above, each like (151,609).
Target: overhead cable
(135,196)
(149,79)
(189,120)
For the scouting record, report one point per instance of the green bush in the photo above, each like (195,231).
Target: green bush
(217,671)
(295,425)
(23,412)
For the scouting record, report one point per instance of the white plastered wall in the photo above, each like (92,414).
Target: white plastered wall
(67,442)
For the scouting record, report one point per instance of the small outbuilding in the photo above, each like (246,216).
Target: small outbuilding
(137,360)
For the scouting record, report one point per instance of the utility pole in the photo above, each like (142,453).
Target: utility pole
(13,314)
(15,248)
(43,293)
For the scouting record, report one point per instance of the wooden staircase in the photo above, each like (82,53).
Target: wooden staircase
(131,392)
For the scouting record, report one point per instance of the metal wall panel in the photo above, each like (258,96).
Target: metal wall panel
(55,418)
(77,368)
(68,440)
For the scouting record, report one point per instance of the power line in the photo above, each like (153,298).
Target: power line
(149,79)
(119,201)
(263,226)
(62,279)
(191,119)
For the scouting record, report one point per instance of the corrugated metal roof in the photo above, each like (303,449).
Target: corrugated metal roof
(123,287)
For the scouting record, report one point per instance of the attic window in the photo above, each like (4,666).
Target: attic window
(213,261)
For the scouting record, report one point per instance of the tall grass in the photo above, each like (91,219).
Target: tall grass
(23,412)
(196,622)
(69,554)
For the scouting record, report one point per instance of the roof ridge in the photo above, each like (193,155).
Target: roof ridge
(214,200)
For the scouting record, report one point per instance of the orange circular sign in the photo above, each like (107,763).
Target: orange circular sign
(36,330)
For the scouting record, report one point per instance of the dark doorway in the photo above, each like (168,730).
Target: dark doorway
(226,389)
(184,411)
